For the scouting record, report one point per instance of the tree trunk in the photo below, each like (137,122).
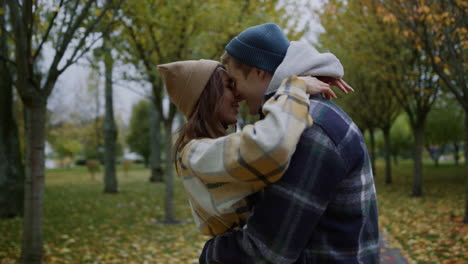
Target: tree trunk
(388,156)
(456,156)
(155,141)
(372,151)
(433,155)
(11,166)
(34,184)
(418,131)
(168,180)
(110,128)
(440,153)
(466,138)
(98,109)
(465,220)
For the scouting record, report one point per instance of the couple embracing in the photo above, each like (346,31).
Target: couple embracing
(295,186)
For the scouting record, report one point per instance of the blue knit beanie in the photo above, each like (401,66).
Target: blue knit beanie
(263,46)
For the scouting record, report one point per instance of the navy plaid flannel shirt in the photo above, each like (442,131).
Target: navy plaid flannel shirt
(323,210)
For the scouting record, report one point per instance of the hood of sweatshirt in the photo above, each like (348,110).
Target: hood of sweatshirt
(303,59)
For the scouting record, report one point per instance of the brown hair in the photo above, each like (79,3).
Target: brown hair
(204,121)
(226,58)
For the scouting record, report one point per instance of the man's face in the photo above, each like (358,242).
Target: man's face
(251,88)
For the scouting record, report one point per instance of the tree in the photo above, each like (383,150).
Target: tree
(138,137)
(11,165)
(78,136)
(396,62)
(402,138)
(64,139)
(58,23)
(440,29)
(156,146)
(444,127)
(93,87)
(360,39)
(110,128)
(159,32)
(417,96)
(92,138)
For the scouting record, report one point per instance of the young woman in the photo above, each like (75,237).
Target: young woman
(219,171)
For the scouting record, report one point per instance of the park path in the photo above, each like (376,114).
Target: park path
(389,254)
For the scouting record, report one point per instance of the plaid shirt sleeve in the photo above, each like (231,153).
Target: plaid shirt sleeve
(218,174)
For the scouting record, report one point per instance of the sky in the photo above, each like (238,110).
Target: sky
(70,93)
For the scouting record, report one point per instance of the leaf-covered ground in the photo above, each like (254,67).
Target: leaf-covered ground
(429,229)
(83,225)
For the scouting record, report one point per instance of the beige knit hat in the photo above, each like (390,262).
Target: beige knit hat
(185,81)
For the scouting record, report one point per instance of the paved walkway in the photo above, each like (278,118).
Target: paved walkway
(389,255)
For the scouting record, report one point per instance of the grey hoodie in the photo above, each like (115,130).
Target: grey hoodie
(303,59)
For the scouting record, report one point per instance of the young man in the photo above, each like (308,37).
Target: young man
(323,209)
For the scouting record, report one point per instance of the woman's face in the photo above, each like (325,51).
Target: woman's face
(230,105)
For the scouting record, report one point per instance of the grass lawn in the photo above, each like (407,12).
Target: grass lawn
(83,225)
(430,228)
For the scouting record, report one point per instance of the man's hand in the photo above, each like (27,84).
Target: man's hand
(315,86)
(342,85)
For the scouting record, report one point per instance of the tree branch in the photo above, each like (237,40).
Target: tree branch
(141,51)
(7,60)
(46,34)
(76,55)
(27,21)
(63,25)
(155,43)
(91,29)
(54,72)
(72,60)
(73,15)
(19,30)
(133,90)
(70,32)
